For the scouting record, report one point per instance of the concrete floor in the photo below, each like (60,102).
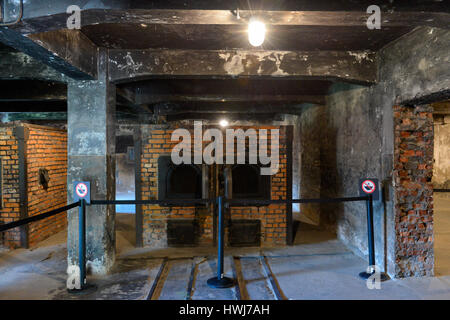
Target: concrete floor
(317,267)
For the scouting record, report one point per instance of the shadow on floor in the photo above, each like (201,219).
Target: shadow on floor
(308,233)
(125,231)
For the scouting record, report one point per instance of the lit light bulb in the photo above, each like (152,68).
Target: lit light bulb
(256,32)
(223,123)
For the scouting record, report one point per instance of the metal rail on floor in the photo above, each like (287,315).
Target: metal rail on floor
(81,204)
(156,281)
(220,281)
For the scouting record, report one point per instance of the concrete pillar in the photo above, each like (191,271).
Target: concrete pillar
(91,148)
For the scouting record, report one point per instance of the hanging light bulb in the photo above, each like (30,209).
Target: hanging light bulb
(256,32)
(223,123)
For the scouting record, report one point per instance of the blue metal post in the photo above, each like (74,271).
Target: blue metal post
(220,281)
(220,244)
(82,241)
(371,241)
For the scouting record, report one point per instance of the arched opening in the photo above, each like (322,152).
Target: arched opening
(184,181)
(247,182)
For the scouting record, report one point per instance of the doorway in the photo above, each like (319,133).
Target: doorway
(125,190)
(441,186)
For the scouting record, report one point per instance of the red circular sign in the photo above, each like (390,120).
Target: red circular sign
(81,189)
(368,186)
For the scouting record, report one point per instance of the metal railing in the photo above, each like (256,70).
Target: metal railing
(219,281)
(224,282)
(18,223)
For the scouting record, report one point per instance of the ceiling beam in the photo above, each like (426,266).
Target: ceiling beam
(57,116)
(20,66)
(126,94)
(36,21)
(33,106)
(245,87)
(155,98)
(269,117)
(286,18)
(441,108)
(26,90)
(127,97)
(358,67)
(67,51)
(38,8)
(223,108)
(46,116)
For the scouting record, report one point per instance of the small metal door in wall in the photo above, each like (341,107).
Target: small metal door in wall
(241,232)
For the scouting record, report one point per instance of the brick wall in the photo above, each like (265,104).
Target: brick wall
(10,209)
(45,148)
(272,217)
(413,170)
(156,141)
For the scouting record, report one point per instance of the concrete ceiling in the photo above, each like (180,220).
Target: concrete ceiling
(216,37)
(191,35)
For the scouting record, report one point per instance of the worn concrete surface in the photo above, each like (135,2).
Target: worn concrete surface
(256,284)
(318,266)
(91,157)
(311,145)
(356,138)
(175,281)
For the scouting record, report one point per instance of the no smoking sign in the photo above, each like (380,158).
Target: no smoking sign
(82,191)
(368,186)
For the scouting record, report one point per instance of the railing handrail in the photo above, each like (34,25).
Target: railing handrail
(317,200)
(21,222)
(220,281)
(178,202)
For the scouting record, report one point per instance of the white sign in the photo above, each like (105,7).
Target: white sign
(81,189)
(368,186)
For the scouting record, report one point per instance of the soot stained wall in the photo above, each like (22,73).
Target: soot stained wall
(125,166)
(355,139)
(156,141)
